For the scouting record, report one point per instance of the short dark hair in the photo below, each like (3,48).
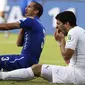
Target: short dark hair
(39,7)
(67,16)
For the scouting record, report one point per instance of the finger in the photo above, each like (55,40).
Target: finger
(57,31)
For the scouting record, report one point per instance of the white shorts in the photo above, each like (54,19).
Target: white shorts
(62,74)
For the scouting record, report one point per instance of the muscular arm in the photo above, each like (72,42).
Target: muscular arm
(20,38)
(10,26)
(66,52)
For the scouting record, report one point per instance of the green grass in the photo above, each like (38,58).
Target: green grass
(50,55)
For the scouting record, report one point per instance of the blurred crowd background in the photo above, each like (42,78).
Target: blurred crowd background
(13,10)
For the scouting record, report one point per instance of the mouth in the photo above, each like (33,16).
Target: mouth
(61,30)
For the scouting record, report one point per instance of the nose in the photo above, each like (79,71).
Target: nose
(56,27)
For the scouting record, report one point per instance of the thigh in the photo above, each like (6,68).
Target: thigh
(58,74)
(10,62)
(80,76)
(46,72)
(63,74)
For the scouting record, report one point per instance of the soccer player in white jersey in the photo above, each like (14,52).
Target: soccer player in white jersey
(72,50)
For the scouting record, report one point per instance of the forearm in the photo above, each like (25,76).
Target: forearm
(66,53)
(63,52)
(20,38)
(62,48)
(9,26)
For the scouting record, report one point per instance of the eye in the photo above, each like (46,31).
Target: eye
(29,6)
(58,23)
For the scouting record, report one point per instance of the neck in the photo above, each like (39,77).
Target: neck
(70,27)
(31,17)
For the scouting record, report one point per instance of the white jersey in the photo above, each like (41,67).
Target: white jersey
(76,41)
(75,72)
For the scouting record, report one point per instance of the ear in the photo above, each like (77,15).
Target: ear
(36,12)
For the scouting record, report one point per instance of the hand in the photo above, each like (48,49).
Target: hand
(58,35)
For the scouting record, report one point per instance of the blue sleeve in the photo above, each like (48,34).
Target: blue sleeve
(26,24)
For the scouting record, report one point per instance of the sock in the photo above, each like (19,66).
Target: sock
(20,74)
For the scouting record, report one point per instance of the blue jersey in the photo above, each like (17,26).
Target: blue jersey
(33,39)
(34,35)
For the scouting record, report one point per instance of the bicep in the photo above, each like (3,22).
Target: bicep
(13,25)
(71,44)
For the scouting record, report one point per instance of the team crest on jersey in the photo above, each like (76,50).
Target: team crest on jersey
(69,37)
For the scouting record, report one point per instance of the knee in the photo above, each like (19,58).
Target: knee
(37,69)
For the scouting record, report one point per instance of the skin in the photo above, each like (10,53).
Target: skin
(2,14)
(20,38)
(60,36)
(30,12)
(37,69)
(60,33)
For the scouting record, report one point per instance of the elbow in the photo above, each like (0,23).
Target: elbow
(66,58)
(19,45)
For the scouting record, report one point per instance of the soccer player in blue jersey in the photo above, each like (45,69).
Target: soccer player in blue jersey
(71,49)
(31,37)
(21,3)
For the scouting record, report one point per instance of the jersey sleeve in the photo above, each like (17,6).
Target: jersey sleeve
(26,24)
(72,40)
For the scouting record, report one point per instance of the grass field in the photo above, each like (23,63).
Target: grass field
(50,55)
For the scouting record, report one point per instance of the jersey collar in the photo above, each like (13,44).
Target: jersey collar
(36,17)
